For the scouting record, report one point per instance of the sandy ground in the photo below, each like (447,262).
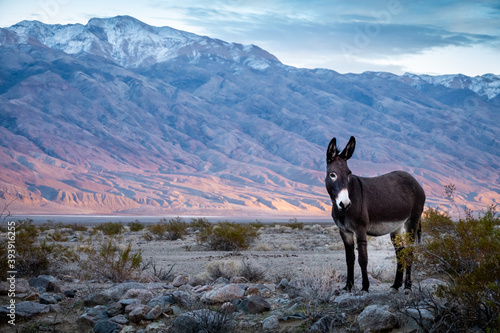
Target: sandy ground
(282,251)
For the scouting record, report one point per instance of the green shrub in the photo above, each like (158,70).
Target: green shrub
(58,236)
(136,226)
(110,259)
(227,236)
(257,224)
(32,257)
(467,253)
(294,224)
(172,229)
(200,224)
(110,228)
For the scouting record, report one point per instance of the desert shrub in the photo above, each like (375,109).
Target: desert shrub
(294,224)
(257,224)
(435,222)
(58,236)
(231,268)
(227,236)
(136,226)
(32,257)
(172,229)
(110,228)
(204,320)
(110,259)
(200,224)
(467,253)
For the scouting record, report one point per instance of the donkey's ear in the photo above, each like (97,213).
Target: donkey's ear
(349,149)
(332,151)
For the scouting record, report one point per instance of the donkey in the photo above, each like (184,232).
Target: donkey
(387,204)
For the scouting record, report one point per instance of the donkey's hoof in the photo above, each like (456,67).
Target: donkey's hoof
(393,290)
(407,291)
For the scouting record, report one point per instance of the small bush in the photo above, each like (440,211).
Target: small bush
(468,254)
(32,257)
(227,236)
(200,224)
(110,260)
(257,224)
(136,226)
(172,229)
(294,224)
(231,268)
(58,236)
(110,228)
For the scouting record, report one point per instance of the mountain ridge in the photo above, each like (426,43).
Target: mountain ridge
(220,127)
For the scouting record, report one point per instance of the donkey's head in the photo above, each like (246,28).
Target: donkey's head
(338,173)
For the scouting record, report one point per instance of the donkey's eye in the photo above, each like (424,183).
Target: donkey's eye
(333,176)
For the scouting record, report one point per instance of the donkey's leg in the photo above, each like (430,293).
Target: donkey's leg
(363,259)
(350,257)
(414,232)
(398,280)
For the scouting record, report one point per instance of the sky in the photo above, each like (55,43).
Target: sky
(397,36)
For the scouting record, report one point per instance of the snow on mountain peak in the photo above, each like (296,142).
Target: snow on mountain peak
(133,43)
(487,85)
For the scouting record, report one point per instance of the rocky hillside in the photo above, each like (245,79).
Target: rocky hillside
(117,116)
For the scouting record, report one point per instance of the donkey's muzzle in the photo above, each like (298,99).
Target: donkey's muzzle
(342,200)
(343,206)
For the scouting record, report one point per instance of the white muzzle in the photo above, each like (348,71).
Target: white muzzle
(342,200)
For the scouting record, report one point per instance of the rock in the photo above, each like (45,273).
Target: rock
(430,284)
(70,293)
(377,318)
(201,288)
(228,308)
(21,286)
(349,301)
(153,313)
(138,313)
(254,304)
(93,315)
(29,309)
(163,301)
(49,298)
(183,298)
(132,306)
(106,326)
(226,293)
(128,329)
(252,291)
(114,309)
(220,280)
(143,295)
(271,323)
(156,328)
(45,283)
(98,298)
(282,285)
(195,281)
(120,289)
(120,319)
(414,318)
(180,280)
(327,323)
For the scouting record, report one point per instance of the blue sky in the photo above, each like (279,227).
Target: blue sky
(430,37)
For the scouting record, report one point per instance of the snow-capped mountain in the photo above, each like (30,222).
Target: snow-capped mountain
(120,116)
(132,43)
(487,85)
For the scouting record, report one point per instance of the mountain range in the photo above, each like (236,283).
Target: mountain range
(120,117)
